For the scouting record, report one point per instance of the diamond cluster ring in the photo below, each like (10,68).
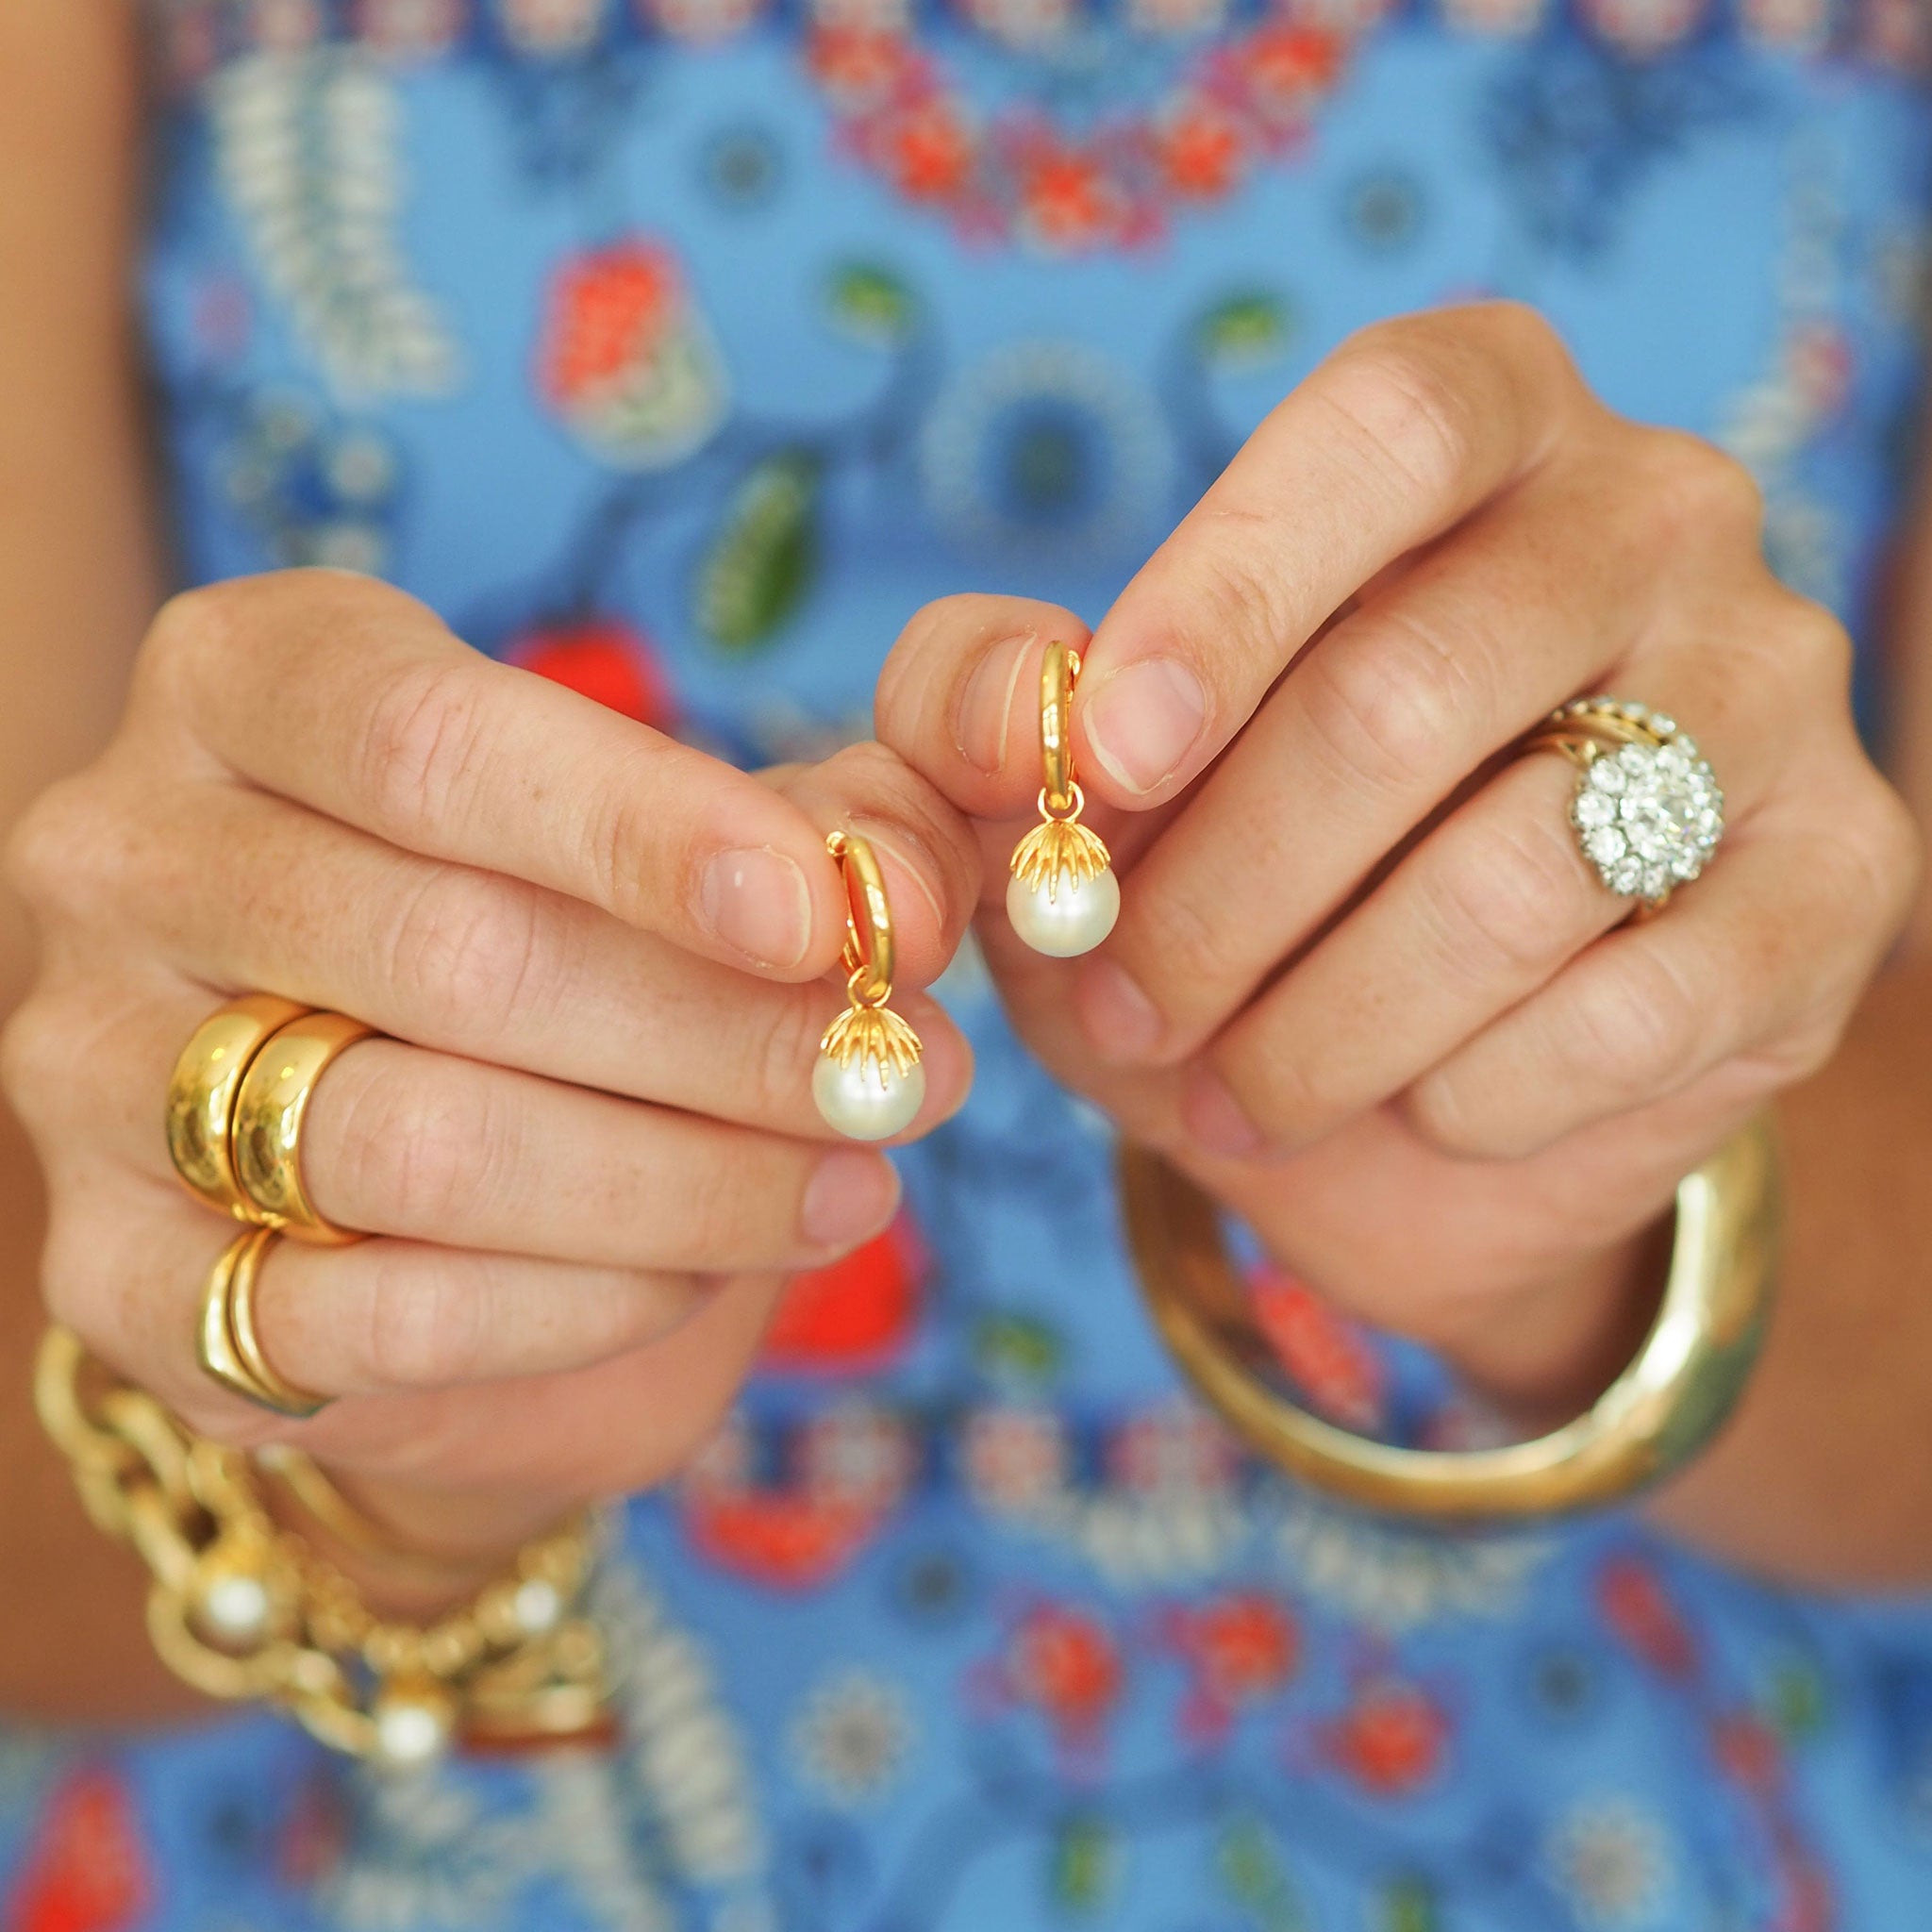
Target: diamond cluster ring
(1647,809)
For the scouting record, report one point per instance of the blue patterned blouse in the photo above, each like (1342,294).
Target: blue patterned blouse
(678,349)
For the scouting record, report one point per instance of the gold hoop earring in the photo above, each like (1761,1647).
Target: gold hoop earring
(1063,897)
(867,1084)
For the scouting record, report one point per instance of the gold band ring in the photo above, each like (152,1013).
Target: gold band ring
(269,1111)
(202,1092)
(228,1345)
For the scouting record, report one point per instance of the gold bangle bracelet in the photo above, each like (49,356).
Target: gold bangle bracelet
(1665,1407)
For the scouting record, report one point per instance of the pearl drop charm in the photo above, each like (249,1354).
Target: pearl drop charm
(866,1099)
(1063,896)
(867,1084)
(1066,915)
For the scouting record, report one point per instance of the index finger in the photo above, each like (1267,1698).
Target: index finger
(1401,433)
(349,697)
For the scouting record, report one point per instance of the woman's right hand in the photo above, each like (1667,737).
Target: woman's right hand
(587,1146)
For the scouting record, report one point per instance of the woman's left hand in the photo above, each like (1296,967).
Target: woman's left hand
(1365,986)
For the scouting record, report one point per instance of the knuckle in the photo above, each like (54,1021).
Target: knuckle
(1292,1097)
(721,1211)
(780,1060)
(1884,854)
(639,863)
(470,944)
(77,1277)
(1811,645)
(1230,599)
(1697,491)
(1510,898)
(57,848)
(1400,395)
(409,1163)
(191,629)
(421,1325)
(35,1057)
(1178,947)
(423,746)
(1634,1032)
(1390,704)
(1452,1121)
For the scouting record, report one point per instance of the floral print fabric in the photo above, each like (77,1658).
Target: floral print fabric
(679,351)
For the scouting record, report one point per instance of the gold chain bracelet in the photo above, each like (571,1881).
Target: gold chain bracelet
(241,1607)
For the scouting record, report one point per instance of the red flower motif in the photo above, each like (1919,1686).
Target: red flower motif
(1203,152)
(860,67)
(1069,200)
(604,660)
(1241,1648)
(1064,1664)
(782,1540)
(1288,66)
(1332,1362)
(1391,1741)
(89,1869)
(927,152)
(609,310)
(855,1316)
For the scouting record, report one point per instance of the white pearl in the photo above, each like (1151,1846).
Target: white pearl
(236,1607)
(1074,919)
(866,1099)
(538,1605)
(411,1731)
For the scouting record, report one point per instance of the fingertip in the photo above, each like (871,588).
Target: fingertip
(959,699)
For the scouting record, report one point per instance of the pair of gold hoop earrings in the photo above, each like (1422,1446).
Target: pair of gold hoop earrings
(1062,898)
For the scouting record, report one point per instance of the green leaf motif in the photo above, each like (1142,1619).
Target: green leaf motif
(765,557)
(871,303)
(1086,1864)
(1798,1705)
(1245,329)
(1250,1865)
(1017,1348)
(1409,1904)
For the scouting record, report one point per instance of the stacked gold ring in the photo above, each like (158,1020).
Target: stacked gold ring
(226,1344)
(237,1100)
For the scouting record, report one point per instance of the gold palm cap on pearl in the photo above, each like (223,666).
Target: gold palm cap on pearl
(867,1084)
(1063,897)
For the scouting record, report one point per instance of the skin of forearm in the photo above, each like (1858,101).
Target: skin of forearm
(77,564)
(1824,1476)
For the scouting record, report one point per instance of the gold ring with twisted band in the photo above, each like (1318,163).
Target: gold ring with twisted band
(228,1345)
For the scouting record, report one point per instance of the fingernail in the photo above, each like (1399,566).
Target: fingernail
(984,709)
(850,1198)
(1143,720)
(1215,1117)
(1120,1020)
(758,899)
